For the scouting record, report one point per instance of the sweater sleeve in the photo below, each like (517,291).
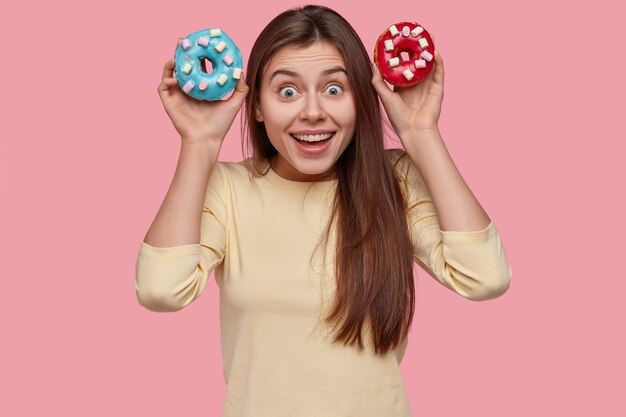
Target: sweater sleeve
(170,278)
(471,263)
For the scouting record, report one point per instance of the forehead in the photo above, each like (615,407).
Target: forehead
(317,54)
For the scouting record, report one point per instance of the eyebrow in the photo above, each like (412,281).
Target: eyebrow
(296,75)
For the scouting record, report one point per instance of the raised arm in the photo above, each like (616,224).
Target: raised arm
(186,240)
(457,243)
(471,263)
(178,220)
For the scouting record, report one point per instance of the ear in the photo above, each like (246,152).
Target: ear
(259,115)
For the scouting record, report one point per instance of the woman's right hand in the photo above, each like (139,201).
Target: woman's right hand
(199,121)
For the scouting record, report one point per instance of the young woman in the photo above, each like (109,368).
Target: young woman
(306,332)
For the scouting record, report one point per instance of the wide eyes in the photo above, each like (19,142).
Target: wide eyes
(289,91)
(334,89)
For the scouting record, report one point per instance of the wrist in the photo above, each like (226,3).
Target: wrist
(210,149)
(200,141)
(421,134)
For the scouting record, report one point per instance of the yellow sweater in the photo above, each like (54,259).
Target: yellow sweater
(258,237)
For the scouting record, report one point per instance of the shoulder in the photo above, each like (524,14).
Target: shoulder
(399,159)
(240,168)
(406,172)
(227,173)
(227,181)
(394,153)
(400,162)
(228,176)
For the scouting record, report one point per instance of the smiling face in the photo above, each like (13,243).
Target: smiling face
(304,93)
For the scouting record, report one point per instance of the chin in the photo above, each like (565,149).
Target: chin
(312,168)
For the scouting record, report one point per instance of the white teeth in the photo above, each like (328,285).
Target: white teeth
(313,138)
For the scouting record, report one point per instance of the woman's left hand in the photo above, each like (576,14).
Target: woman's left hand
(414,109)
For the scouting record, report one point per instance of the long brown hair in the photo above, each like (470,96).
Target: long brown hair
(374,266)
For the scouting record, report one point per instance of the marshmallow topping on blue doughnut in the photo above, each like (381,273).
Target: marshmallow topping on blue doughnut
(225,57)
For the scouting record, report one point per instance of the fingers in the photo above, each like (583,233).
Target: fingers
(168,69)
(164,87)
(170,65)
(167,83)
(438,70)
(381,87)
(240,92)
(167,79)
(241,86)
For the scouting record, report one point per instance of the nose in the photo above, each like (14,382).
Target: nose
(313,109)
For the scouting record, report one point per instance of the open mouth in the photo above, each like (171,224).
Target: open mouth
(313,140)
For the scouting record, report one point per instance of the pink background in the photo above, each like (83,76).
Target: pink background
(531,116)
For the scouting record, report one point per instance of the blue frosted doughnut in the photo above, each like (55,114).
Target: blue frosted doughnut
(225,57)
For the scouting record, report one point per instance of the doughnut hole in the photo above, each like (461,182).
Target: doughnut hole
(407,55)
(206,65)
